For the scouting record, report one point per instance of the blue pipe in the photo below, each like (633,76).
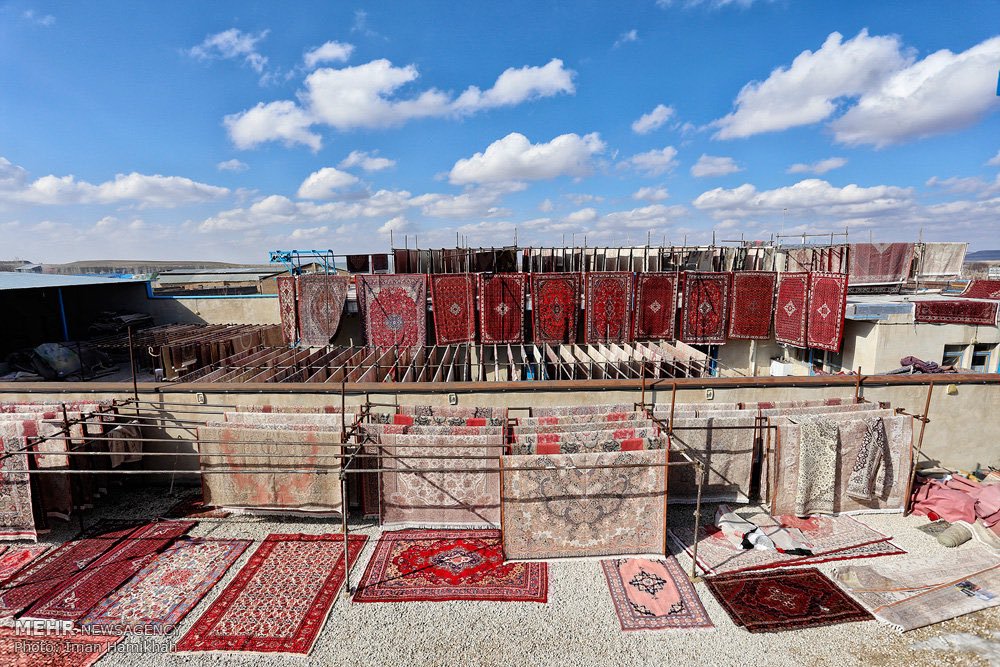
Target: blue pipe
(62,314)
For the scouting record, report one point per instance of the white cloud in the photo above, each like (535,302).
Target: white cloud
(943,92)
(276,121)
(232,165)
(232,44)
(584,215)
(820,167)
(651,194)
(367,161)
(300,233)
(652,120)
(654,216)
(969,185)
(626,37)
(811,196)
(806,92)
(476,202)
(654,162)
(325,183)
(365,96)
(329,52)
(12,176)
(396,225)
(710,166)
(44,20)
(994,161)
(360,24)
(546,206)
(515,158)
(581,198)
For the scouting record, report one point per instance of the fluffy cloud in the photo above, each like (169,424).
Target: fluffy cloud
(626,37)
(709,166)
(652,163)
(651,194)
(652,120)
(546,206)
(809,197)
(967,186)
(820,167)
(584,215)
(654,216)
(475,202)
(232,44)
(366,96)
(992,162)
(515,158)
(367,161)
(232,165)
(396,225)
(325,183)
(329,52)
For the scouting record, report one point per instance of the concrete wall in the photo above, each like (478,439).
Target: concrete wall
(227,310)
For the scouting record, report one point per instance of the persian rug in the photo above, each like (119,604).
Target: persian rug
(438,420)
(279,601)
(73,599)
(63,650)
(288,309)
(654,595)
(588,446)
(453,302)
(943,260)
(571,410)
(890,483)
(162,593)
(357,263)
(46,574)
(790,309)
(14,559)
(816,483)
(725,446)
(640,422)
(248,450)
(880,262)
(828,537)
(956,311)
(751,304)
(393,309)
(501,308)
(555,305)
(982,289)
(17,521)
(655,306)
(439,497)
(465,412)
(608,305)
(438,565)
(827,303)
(583,441)
(454,430)
(706,305)
(328,422)
(784,600)
(560,506)
(321,300)
(571,420)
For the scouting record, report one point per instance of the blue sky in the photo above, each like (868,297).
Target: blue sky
(224,130)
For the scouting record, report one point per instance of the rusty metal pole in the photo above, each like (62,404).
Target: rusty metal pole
(916,455)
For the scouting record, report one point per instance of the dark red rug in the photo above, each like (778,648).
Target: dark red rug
(393,309)
(453,300)
(784,600)
(751,303)
(982,289)
(790,309)
(706,305)
(880,262)
(286,306)
(555,303)
(501,307)
(655,306)
(437,565)
(55,650)
(956,311)
(321,303)
(608,305)
(827,302)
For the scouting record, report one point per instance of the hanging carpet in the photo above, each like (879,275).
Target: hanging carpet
(956,311)
(555,303)
(393,309)
(501,308)
(706,302)
(751,303)
(608,306)
(321,300)
(655,306)
(790,311)
(827,303)
(453,301)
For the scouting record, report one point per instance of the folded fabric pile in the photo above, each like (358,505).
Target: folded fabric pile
(960,500)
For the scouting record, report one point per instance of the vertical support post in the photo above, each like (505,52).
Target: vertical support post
(916,454)
(347,544)
(131,363)
(857,387)
(62,314)
(699,472)
(673,402)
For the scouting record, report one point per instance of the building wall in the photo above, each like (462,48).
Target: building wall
(254,309)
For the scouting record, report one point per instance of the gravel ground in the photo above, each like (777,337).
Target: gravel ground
(578,626)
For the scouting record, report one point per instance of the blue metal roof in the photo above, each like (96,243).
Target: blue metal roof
(13,280)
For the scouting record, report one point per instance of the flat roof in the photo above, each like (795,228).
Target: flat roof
(10,280)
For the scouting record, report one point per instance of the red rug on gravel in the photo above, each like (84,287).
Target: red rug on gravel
(655,306)
(555,303)
(608,306)
(501,307)
(453,298)
(437,565)
(784,600)
(790,309)
(751,303)
(279,601)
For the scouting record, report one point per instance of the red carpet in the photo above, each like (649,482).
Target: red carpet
(790,309)
(279,601)
(982,289)
(555,303)
(654,595)
(608,305)
(956,311)
(706,302)
(453,298)
(501,307)
(880,262)
(72,600)
(14,559)
(321,304)
(62,650)
(827,302)
(751,304)
(436,565)
(286,306)
(784,600)
(393,309)
(655,306)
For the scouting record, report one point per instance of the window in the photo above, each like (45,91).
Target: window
(953,355)
(981,356)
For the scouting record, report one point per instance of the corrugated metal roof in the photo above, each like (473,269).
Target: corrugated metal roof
(10,280)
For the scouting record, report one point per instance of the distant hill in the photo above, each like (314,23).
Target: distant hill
(983,256)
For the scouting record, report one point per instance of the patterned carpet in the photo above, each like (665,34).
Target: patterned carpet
(654,595)
(827,302)
(751,303)
(501,308)
(454,303)
(790,309)
(956,311)
(706,305)
(393,309)
(555,299)
(655,306)
(608,306)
